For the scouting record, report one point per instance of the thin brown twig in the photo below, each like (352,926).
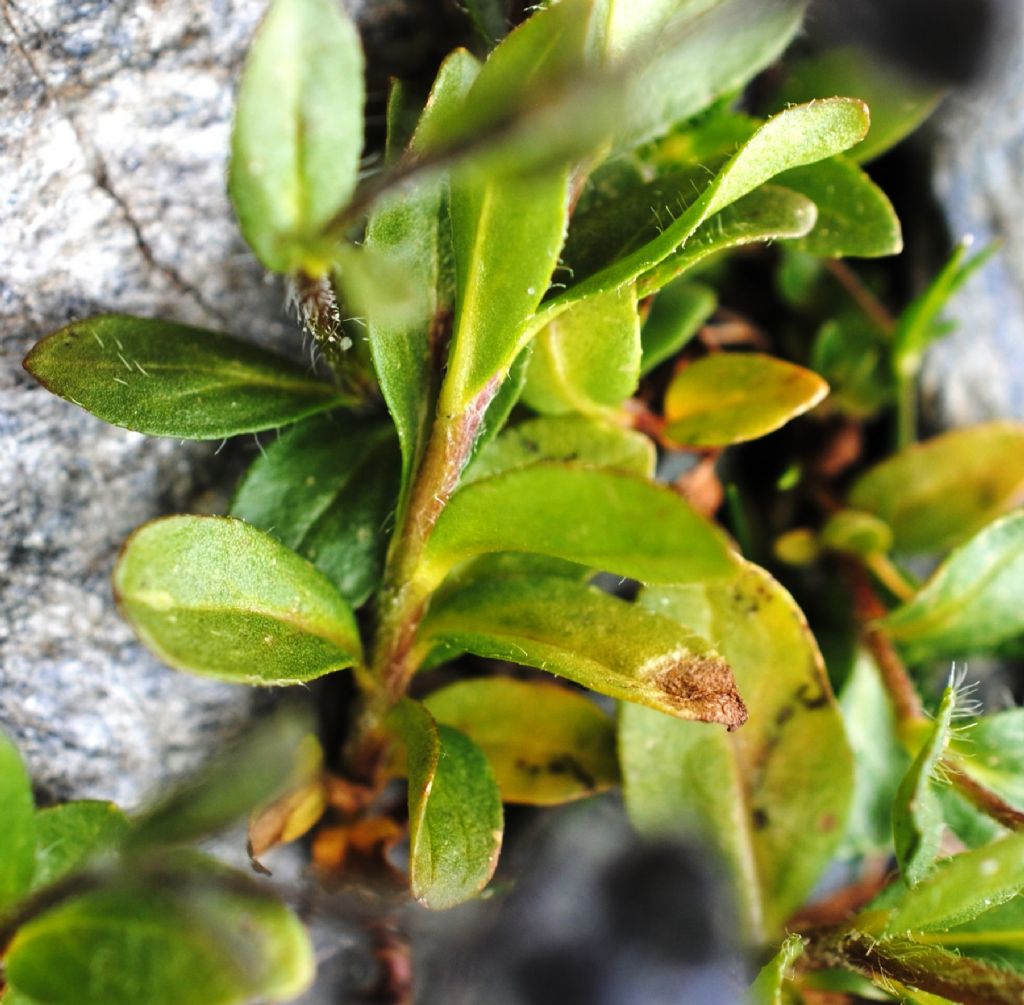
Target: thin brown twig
(983,798)
(861,295)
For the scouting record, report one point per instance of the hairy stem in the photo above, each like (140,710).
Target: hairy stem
(983,798)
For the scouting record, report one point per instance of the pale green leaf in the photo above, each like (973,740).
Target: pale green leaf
(572,438)
(18,833)
(682,55)
(772,803)
(588,359)
(801,135)
(992,751)
(602,519)
(232,784)
(679,312)
(455,815)
(218,597)
(732,397)
(410,231)
(168,379)
(940,492)
(767,988)
(68,835)
(546,744)
(853,532)
(855,217)
(769,213)
(198,943)
(899,103)
(917,813)
(972,603)
(298,130)
(962,887)
(326,488)
(995,936)
(589,637)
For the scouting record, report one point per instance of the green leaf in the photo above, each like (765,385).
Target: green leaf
(507,232)
(899,103)
(567,438)
(938,493)
(602,519)
(852,354)
(880,762)
(490,18)
(855,217)
(682,56)
(588,359)
(193,942)
(67,836)
(797,136)
(167,379)
(769,213)
(996,936)
(919,324)
(971,604)
(917,813)
(852,532)
(233,783)
(769,801)
(216,596)
(733,397)
(326,489)
(455,816)
(767,988)
(545,744)
(298,130)
(993,753)
(678,313)
(962,887)
(580,633)
(18,833)
(410,230)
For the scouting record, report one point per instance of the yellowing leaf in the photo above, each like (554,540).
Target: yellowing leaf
(731,397)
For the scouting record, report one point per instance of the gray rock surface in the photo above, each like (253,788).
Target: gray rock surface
(114,125)
(978,373)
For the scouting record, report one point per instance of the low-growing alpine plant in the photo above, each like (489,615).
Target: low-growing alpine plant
(511,333)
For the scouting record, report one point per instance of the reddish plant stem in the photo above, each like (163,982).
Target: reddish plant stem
(983,798)
(861,295)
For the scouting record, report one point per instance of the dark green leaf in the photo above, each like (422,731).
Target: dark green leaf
(732,397)
(455,817)
(190,942)
(771,803)
(852,354)
(171,380)
(972,603)
(298,130)
(798,136)
(490,18)
(898,103)
(252,772)
(410,231)
(938,493)
(917,814)
(588,359)
(67,836)
(996,936)
(545,744)
(327,489)
(591,638)
(769,213)
(767,988)
(218,597)
(602,519)
(855,217)
(18,833)
(575,438)
(678,313)
(960,888)
(684,55)
(919,325)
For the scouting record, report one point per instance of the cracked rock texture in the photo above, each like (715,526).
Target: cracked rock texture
(978,372)
(114,125)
